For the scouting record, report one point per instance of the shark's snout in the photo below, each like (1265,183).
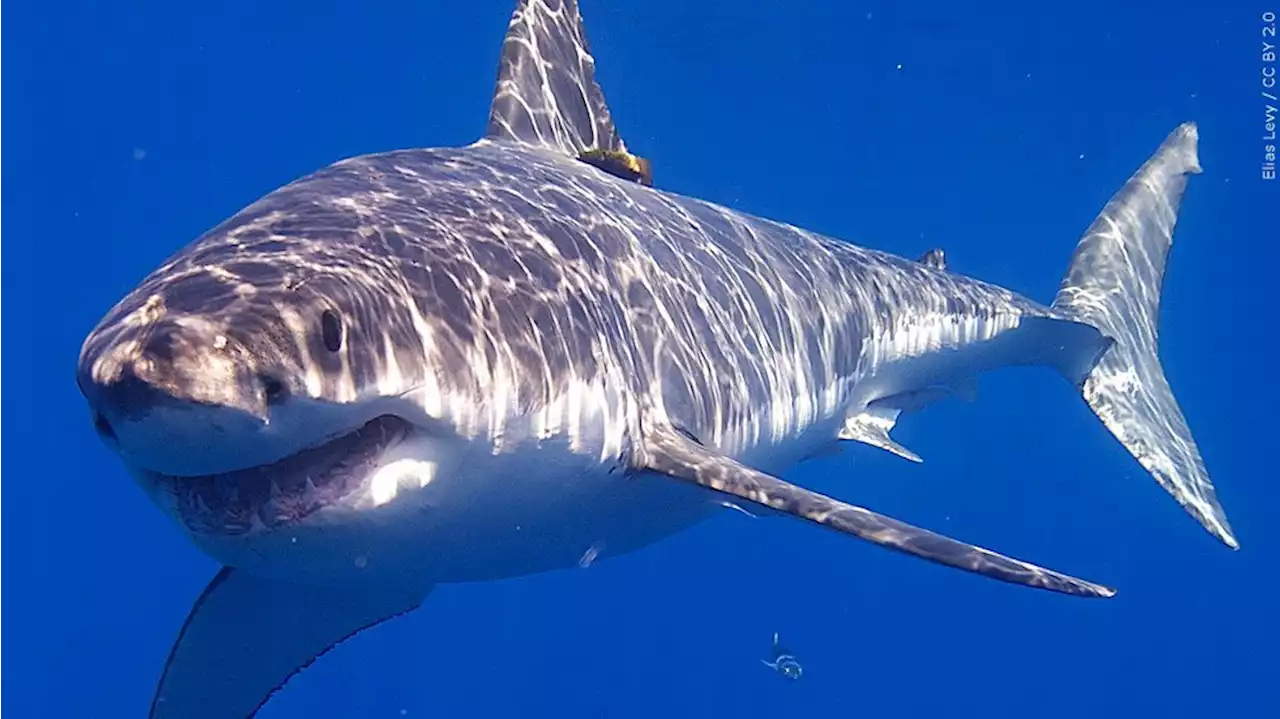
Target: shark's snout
(170,394)
(127,397)
(128,377)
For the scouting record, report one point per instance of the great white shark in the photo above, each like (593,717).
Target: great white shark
(460,364)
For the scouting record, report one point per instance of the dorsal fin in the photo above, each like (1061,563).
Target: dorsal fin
(547,93)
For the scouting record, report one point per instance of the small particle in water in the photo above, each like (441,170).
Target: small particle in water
(899,66)
(362,562)
(139,154)
(784,662)
(590,555)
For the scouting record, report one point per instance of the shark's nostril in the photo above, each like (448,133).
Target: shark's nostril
(273,390)
(129,396)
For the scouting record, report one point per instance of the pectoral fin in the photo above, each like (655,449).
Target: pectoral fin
(872,427)
(668,451)
(247,636)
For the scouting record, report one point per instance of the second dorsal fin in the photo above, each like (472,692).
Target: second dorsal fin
(935,258)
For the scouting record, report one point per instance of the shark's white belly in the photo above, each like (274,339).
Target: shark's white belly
(527,513)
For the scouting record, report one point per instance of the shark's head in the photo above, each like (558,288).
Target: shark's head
(342,352)
(281,372)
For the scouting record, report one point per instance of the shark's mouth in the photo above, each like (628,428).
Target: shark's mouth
(284,492)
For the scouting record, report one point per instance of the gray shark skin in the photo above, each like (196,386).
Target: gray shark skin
(461,364)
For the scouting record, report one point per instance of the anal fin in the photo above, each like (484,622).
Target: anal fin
(666,451)
(872,427)
(246,636)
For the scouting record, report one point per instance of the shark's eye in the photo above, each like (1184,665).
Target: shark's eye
(331,330)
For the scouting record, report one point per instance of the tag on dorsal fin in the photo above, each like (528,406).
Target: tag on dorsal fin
(620,163)
(546,94)
(667,452)
(935,258)
(872,427)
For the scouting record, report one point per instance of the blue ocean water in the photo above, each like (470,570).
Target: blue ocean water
(997,134)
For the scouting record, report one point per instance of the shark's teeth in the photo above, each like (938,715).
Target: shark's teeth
(268,497)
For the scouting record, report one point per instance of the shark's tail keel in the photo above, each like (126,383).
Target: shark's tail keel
(1114,285)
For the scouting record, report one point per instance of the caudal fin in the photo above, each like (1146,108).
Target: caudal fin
(1114,285)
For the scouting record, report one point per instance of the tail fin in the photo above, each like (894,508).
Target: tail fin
(1114,285)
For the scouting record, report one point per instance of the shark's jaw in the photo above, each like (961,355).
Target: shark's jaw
(283,493)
